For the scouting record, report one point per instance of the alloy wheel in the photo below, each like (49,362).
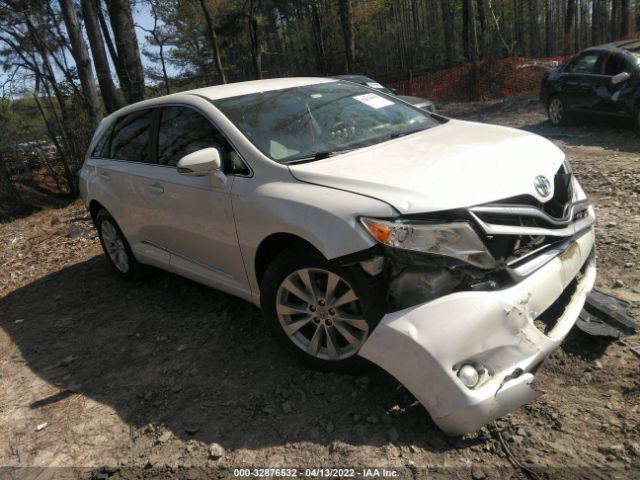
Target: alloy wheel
(556,110)
(114,245)
(321,314)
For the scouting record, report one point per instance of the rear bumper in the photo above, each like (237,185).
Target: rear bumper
(424,346)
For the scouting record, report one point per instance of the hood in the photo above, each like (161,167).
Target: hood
(454,165)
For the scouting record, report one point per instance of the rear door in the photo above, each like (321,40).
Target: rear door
(128,160)
(581,79)
(195,217)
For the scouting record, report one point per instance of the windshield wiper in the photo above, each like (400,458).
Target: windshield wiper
(316,156)
(402,134)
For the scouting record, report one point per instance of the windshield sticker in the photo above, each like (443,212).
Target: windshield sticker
(373,100)
(375,85)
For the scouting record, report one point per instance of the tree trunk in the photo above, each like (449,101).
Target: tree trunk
(346,18)
(482,19)
(534,33)
(469,30)
(568,25)
(318,38)
(415,20)
(520,26)
(107,88)
(211,31)
(107,37)
(103,71)
(595,26)
(256,48)
(548,30)
(70,178)
(465,29)
(614,19)
(447,28)
(83,62)
(625,18)
(130,73)
(163,64)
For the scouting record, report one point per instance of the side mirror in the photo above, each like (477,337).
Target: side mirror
(621,77)
(394,90)
(200,163)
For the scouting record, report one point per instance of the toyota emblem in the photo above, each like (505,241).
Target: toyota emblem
(542,185)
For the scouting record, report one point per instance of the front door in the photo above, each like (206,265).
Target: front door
(618,98)
(580,80)
(197,226)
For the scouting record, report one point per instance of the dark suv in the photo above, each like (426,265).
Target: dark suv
(602,80)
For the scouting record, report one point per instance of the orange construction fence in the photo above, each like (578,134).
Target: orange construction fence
(480,80)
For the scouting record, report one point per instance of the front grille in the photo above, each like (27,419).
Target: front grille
(521,227)
(562,194)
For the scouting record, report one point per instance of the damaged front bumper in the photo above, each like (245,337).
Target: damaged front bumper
(495,331)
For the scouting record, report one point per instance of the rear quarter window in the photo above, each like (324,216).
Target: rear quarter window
(101,148)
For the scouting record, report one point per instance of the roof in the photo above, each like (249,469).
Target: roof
(224,91)
(632,45)
(352,77)
(254,86)
(628,45)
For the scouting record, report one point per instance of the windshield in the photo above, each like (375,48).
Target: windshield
(315,121)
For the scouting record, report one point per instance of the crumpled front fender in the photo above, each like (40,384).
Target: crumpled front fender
(424,346)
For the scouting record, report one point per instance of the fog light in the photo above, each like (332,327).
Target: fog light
(468,375)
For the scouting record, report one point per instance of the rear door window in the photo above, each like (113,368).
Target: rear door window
(131,135)
(585,63)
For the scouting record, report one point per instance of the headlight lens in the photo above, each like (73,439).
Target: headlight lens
(458,240)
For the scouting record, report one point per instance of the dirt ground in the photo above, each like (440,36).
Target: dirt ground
(100,378)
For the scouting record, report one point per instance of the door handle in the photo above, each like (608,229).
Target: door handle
(105,176)
(156,188)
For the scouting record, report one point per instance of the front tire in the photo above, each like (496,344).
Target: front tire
(116,248)
(321,312)
(557,111)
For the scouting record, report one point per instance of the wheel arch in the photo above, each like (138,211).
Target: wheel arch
(276,243)
(94,208)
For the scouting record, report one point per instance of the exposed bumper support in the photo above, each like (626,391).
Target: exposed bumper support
(424,346)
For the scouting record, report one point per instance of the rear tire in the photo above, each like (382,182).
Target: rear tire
(557,111)
(321,312)
(116,248)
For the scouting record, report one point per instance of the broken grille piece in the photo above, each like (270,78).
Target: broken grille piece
(606,316)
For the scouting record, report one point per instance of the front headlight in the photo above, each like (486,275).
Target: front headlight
(458,240)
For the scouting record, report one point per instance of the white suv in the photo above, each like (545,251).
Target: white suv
(455,255)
